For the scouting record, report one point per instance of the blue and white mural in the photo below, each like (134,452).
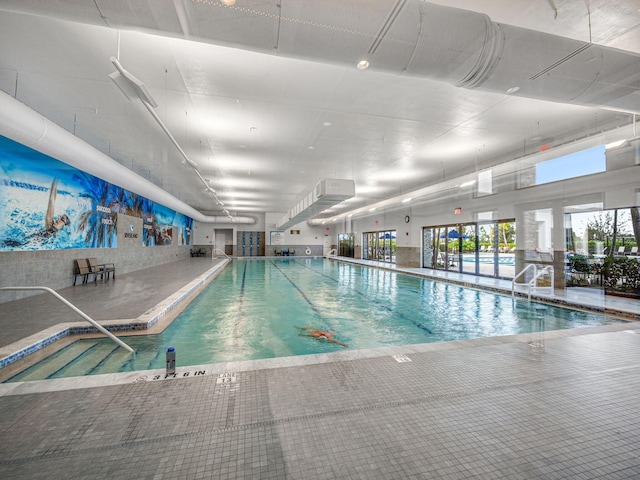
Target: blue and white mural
(47,205)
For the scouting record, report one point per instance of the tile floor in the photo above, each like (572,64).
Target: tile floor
(560,405)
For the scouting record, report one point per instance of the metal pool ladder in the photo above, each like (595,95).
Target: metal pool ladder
(536,275)
(78,311)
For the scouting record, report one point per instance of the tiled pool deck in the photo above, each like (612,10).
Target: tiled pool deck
(554,405)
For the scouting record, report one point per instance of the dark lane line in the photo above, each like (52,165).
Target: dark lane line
(238,320)
(376,302)
(307,299)
(242,284)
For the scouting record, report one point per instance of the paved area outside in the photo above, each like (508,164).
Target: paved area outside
(538,406)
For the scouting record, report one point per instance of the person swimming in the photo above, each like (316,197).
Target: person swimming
(319,334)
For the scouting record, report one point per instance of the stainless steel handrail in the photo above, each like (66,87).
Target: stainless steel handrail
(220,250)
(533,282)
(78,311)
(513,282)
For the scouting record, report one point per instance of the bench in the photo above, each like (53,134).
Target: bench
(198,253)
(101,269)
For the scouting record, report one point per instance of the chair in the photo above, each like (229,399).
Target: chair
(278,252)
(292,252)
(620,252)
(634,251)
(101,269)
(80,269)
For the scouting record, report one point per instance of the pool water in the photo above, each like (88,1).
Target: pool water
(251,309)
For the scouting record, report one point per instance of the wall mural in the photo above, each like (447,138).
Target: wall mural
(46,204)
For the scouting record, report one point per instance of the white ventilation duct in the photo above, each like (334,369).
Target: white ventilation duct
(469,50)
(22,124)
(404,37)
(325,194)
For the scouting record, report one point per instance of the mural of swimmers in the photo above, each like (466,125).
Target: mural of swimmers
(48,205)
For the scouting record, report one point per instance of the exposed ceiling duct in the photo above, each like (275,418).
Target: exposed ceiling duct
(325,194)
(440,97)
(21,124)
(406,37)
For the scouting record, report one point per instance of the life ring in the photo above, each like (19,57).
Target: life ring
(308,251)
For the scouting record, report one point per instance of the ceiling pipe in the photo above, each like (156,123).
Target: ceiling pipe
(134,89)
(23,125)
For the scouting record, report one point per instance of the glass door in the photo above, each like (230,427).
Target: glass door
(380,246)
(345,245)
(469,249)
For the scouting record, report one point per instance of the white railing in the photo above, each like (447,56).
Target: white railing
(533,283)
(78,311)
(222,252)
(333,252)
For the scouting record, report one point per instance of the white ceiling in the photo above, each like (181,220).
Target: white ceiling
(264,95)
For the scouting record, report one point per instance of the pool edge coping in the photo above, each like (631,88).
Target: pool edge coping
(225,369)
(26,346)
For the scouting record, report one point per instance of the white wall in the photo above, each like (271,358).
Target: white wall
(617,188)
(309,235)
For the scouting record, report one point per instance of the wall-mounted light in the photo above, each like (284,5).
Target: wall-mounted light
(617,144)
(458,210)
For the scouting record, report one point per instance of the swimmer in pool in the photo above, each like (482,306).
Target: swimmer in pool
(320,335)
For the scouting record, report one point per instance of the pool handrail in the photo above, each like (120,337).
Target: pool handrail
(531,283)
(221,251)
(332,252)
(78,311)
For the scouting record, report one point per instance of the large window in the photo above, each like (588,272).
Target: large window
(477,248)
(379,246)
(574,165)
(602,249)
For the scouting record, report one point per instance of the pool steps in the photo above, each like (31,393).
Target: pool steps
(165,309)
(75,360)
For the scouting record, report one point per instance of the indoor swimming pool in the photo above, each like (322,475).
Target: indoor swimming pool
(251,311)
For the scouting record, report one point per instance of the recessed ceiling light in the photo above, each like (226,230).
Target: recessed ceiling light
(327,124)
(362,65)
(229,3)
(468,184)
(311,147)
(513,90)
(372,209)
(406,200)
